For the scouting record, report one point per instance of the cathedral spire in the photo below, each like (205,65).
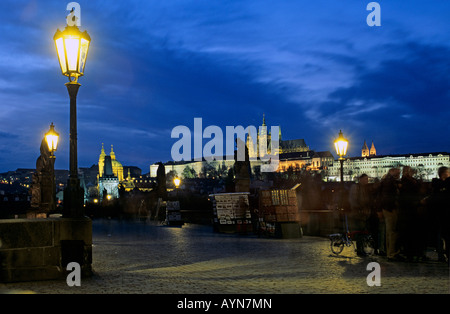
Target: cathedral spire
(264,119)
(101,161)
(112,154)
(365,150)
(373,151)
(365,145)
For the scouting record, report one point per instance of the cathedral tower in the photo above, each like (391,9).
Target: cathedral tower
(263,138)
(110,173)
(365,150)
(101,162)
(373,151)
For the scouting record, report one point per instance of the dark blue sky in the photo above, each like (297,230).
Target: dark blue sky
(313,67)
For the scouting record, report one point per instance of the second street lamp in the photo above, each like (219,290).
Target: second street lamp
(48,186)
(51,137)
(72,47)
(341,145)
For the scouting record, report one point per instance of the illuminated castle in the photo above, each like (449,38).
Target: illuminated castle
(291,153)
(264,136)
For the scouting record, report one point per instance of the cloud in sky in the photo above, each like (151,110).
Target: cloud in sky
(313,67)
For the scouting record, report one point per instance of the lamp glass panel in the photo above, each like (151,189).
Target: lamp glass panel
(341,147)
(72,46)
(62,59)
(52,141)
(83,53)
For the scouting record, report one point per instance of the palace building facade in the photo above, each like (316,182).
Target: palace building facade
(295,154)
(425,165)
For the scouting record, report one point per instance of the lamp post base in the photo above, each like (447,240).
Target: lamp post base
(73,199)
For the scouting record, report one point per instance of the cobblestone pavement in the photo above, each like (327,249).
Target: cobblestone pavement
(142,257)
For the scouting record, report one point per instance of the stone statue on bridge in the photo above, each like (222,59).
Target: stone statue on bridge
(43,188)
(242,169)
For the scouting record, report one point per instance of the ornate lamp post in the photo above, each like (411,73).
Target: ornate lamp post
(341,145)
(72,47)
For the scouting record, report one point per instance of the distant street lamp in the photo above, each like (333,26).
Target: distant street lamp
(48,185)
(341,145)
(72,47)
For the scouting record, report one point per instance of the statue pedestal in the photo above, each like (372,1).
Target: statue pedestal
(40,249)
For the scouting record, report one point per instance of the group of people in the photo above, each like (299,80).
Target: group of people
(403,214)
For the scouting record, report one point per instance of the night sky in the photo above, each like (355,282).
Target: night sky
(312,67)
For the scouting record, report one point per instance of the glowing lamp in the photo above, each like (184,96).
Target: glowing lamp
(72,47)
(51,137)
(177,182)
(341,145)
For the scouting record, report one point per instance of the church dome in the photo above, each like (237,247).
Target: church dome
(116,165)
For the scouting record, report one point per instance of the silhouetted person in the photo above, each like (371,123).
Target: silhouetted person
(408,225)
(361,201)
(389,192)
(440,210)
(377,225)
(423,221)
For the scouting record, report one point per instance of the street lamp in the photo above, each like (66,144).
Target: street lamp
(341,145)
(177,182)
(46,171)
(51,137)
(72,47)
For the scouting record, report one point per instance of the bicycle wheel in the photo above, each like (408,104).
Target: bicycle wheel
(336,245)
(368,245)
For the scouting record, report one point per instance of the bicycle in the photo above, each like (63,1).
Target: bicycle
(340,240)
